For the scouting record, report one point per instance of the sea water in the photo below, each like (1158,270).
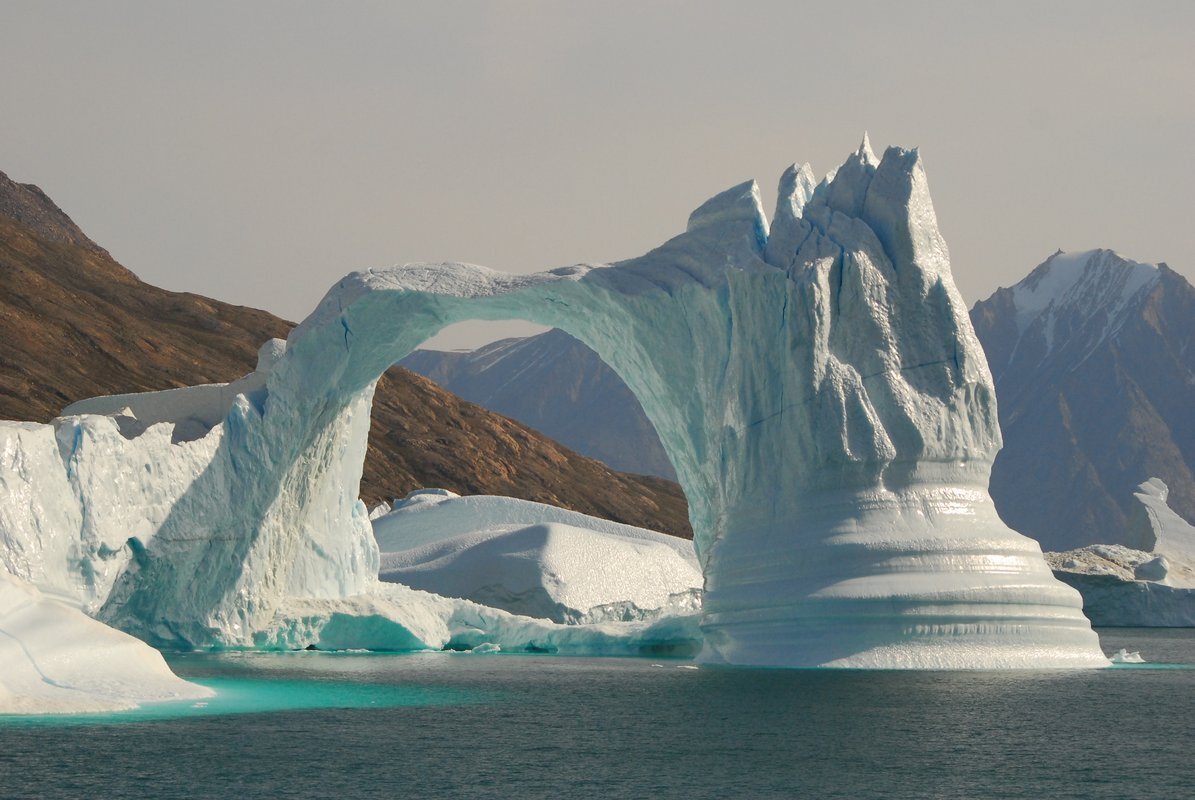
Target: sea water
(438,725)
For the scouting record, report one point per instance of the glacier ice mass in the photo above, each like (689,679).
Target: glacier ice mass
(815,382)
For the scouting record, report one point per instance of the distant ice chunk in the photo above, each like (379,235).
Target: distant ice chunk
(1123,656)
(1156,569)
(1149,587)
(490,550)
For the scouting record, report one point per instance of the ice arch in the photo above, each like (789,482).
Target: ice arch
(815,382)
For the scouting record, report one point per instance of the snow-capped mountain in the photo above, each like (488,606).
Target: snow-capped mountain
(1095,377)
(557,385)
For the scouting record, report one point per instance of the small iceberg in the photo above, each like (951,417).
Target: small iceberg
(1123,656)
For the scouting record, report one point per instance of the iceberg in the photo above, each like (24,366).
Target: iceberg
(536,560)
(1158,529)
(815,382)
(1123,656)
(1150,586)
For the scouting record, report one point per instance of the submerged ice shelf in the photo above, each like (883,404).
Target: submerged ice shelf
(815,382)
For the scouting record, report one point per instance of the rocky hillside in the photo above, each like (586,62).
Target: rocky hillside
(75,324)
(1094,361)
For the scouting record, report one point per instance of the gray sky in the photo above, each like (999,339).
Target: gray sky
(256,152)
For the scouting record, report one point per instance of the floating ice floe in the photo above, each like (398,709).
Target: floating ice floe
(1123,656)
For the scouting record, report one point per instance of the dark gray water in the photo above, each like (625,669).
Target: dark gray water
(447,726)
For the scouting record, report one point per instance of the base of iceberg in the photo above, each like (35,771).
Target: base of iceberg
(396,618)
(923,578)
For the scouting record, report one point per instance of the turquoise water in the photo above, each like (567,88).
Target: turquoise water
(309,725)
(259,695)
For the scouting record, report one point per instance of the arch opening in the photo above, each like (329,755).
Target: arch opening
(599,455)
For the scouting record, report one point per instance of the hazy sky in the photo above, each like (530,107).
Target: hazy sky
(256,152)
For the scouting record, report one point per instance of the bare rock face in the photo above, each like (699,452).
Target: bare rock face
(29,206)
(1094,362)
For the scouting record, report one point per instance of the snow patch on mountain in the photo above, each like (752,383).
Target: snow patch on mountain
(1093,283)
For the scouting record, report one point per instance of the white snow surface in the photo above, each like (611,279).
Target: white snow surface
(429,516)
(816,383)
(536,560)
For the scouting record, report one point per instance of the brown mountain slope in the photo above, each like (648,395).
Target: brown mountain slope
(76,324)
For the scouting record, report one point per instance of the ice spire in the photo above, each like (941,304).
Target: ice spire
(865,153)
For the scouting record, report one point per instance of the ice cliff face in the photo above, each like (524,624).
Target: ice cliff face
(815,382)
